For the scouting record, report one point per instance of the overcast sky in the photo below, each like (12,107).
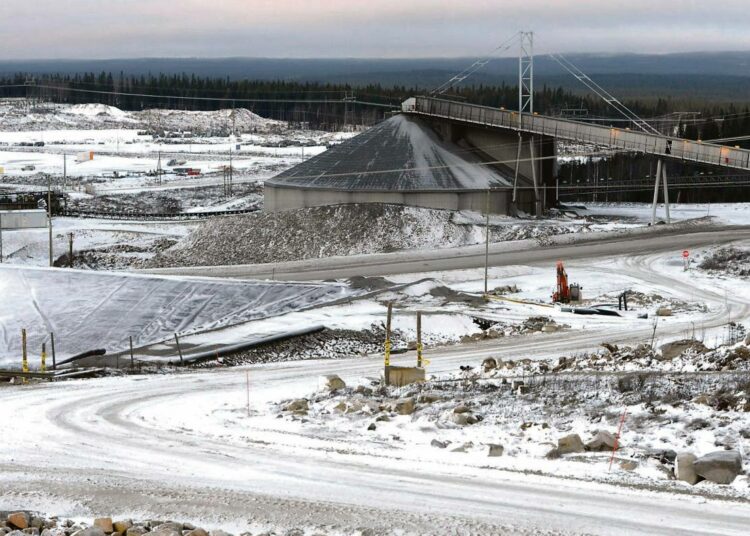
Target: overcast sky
(361,28)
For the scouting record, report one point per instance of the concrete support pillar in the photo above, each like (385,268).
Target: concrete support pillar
(538,208)
(518,164)
(666,191)
(656,192)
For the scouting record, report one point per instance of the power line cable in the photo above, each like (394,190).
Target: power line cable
(603,94)
(474,67)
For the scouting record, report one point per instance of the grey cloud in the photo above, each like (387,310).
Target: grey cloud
(356,28)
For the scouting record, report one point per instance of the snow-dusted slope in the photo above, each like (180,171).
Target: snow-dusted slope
(21,115)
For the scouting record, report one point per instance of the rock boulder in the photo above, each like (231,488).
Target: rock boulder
(122,526)
(569,444)
(495,450)
(673,349)
(298,405)
(104,523)
(404,406)
(602,441)
(19,520)
(720,467)
(332,382)
(683,468)
(91,531)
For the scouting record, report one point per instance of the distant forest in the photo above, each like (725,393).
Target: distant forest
(323,106)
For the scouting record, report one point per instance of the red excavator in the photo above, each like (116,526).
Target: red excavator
(565,293)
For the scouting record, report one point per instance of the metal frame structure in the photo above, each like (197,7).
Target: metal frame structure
(526,73)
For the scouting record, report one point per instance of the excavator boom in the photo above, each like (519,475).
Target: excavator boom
(562,293)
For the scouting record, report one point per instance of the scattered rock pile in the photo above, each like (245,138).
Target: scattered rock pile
(653,301)
(116,257)
(602,441)
(686,355)
(327,344)
(495,330)
(24,523)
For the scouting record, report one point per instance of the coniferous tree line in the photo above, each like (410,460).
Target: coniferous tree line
(321,105)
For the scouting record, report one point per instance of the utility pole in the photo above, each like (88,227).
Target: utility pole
(158,162)
(230,167)
(487,243)
(231,142)
(49,216)
(70,250)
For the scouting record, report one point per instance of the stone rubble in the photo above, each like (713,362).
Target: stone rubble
(26,523)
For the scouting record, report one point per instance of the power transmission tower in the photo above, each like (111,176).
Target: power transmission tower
(348,98)
(31,93)
(526,73)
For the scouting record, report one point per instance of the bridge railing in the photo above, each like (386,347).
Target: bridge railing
(705,153)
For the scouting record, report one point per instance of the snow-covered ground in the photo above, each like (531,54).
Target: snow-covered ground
(178,436)
(131,243)
(194,440)
(727,213)
(126,147)
(188,446)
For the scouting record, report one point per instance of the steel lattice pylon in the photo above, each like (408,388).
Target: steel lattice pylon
(526,73)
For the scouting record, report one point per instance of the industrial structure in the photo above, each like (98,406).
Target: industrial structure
(444,154)
(403,160)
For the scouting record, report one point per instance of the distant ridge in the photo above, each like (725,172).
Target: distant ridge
(722,76)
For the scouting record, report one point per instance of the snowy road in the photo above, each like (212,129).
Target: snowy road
(501,254)
(183,447)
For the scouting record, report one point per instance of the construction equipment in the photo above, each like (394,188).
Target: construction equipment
(565,293)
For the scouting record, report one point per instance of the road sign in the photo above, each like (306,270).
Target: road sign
(686,254)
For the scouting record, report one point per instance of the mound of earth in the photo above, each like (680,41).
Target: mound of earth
(317,232)
(16,116)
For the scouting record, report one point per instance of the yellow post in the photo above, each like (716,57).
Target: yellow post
(24,360)
(387,373)
(419,339)
(44,358)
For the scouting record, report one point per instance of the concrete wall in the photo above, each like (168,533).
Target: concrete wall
(23,219)
(501,145)
(284,198)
